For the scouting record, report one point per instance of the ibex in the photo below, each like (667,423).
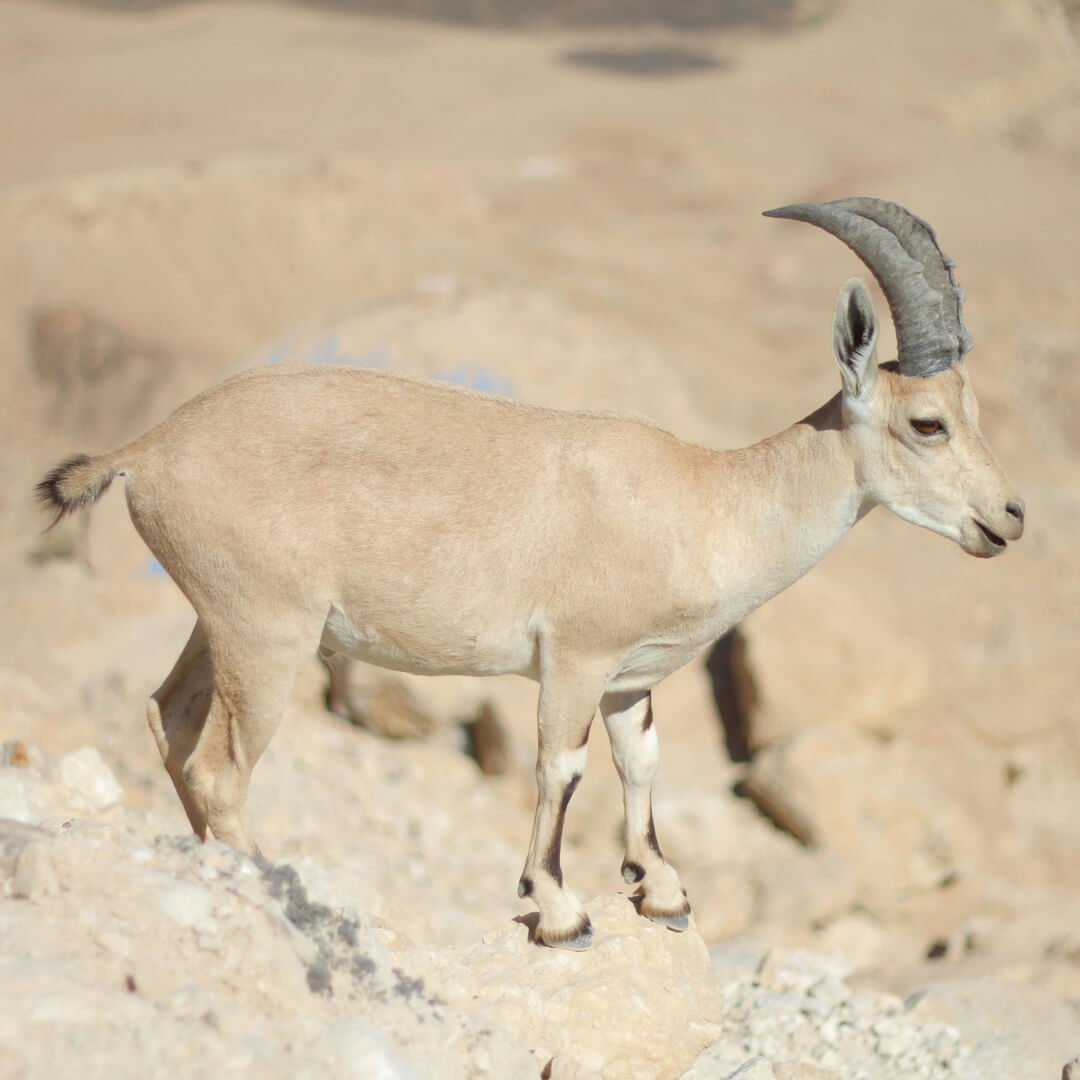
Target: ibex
(434,530)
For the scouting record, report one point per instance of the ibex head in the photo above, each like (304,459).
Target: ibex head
(915,422)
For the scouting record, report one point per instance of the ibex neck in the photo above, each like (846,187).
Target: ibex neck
(782,505)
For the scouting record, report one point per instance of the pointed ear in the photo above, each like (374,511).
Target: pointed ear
(855,333)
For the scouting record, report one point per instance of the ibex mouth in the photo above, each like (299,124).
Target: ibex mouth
(993,537)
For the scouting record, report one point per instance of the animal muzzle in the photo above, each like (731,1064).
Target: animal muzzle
(993,531)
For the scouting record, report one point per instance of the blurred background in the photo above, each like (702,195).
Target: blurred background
(561,201)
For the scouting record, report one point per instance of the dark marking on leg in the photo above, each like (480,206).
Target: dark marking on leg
(568,794)
(525,887)
(550,863)
(585,737)
(632,872)
(650,837)
(647,722)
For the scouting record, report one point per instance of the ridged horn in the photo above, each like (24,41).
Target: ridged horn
(902,252)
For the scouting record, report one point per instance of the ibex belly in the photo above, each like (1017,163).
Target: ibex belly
(452,650)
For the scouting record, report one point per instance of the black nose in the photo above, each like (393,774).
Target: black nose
(1016,510)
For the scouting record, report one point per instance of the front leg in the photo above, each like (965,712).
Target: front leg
(635,748)
(567,707)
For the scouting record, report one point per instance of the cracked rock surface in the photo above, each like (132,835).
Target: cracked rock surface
(183,957)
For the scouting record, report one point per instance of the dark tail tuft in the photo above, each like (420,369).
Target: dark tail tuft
(73,484)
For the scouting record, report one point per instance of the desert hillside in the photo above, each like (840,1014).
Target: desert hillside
(560,202)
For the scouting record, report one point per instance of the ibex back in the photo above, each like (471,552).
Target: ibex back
(433,530)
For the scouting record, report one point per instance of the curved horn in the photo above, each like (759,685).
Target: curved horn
(916,276)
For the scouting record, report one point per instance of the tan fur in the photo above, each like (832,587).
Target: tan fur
(433,530)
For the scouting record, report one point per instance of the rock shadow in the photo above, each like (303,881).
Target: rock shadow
(530,920)
(646,62)
(527,14)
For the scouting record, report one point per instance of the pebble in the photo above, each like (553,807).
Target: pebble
(15,801)
(354,1050)
(84,773)
(17,754)
(785,969)
(189,1002)
(187,904)
(825,995)
(34,875)
(800,1070)
(117,943)
(891,1046)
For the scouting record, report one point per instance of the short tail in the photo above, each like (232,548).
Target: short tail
(75,483)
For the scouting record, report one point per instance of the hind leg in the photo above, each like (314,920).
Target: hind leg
(177,712)
(636,751)
(213,717)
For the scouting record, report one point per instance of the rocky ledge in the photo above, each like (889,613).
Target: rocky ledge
(125,953)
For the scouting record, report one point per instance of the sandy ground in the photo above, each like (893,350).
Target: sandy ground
(571,213)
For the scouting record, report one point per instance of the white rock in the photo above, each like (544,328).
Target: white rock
(186,904)
(799,1070)
(85,774)
(118,943)
(825,995)
(799,969)
(190,1001)
(891,1046)
(352,1048)
(34,876)
(15,797)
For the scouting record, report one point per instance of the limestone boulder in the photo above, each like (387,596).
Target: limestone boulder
(129,956)
(910,828)
(642,1003)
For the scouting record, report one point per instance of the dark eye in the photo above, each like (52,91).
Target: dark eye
(928,427)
